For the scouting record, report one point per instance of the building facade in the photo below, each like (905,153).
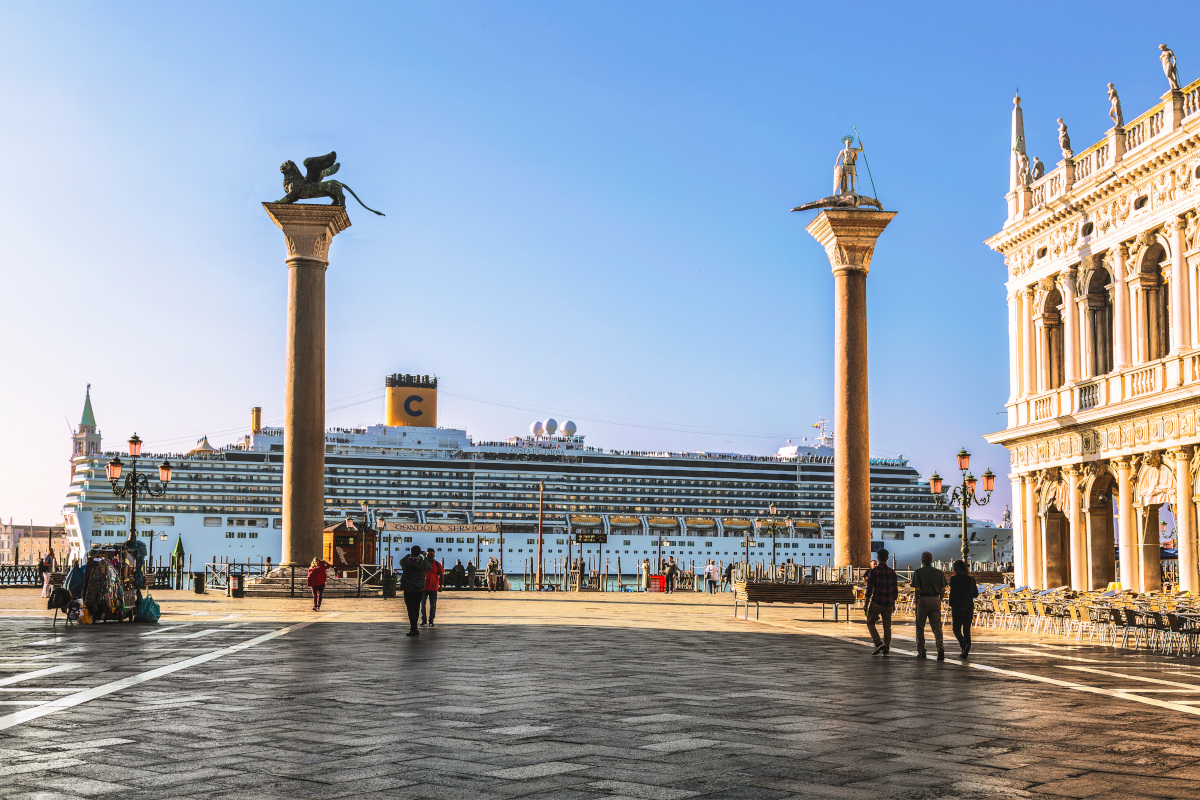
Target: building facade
(1104,348)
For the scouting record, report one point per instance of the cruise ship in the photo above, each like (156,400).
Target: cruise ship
(471,501)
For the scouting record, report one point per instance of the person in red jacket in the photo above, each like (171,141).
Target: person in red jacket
(317,574)
(433,582)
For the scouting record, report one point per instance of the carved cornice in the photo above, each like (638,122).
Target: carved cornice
(308,229)
(1132,437)
(849,236)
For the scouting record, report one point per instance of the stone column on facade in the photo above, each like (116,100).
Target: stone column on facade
(1034,534)
(1070,325)
(1149,549)
(1014,346)
(1185,533)
(1078,534)
(849,237)
(1019,533)
(1087,338)
(308,230)
(1126,527)
(1028,353)
(1180,329)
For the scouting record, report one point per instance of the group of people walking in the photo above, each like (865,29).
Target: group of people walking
(929,584)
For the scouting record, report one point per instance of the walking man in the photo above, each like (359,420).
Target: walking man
(433,583)
(963,591)
(712,575)
(880,599)
(672,571)
(412,583)
(46,567)
(929,583)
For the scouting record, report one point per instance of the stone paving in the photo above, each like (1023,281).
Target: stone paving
(593,696)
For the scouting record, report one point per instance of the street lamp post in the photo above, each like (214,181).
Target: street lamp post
(773,524)
(136,482)
(964,495)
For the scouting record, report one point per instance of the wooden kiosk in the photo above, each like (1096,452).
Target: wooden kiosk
(350,544)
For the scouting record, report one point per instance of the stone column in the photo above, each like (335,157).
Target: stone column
(1070,325)
(1180,329)
(1184,530)
(1014,346)
(1028,351)
(1019,535)
(1126,527)
(1149,550)
(1033,532)
(308,230)
(1078,533)
(849,237)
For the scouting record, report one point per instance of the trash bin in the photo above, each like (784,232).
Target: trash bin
(198,582)
(237,585)
(389,583)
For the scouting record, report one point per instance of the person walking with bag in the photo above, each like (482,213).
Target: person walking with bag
(879,601)
(46,567)
(963,591)
(433,584)
(412,583)
(318,575)
(930,584)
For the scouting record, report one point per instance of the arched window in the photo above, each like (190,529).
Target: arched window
(1052,341)
(1100,322)
(1155,313)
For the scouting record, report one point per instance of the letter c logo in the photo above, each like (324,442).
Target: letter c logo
(408,405)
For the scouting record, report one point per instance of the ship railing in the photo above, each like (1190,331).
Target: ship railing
(20,575)
(763,572)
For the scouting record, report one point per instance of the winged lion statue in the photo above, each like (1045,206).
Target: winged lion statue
(312,184)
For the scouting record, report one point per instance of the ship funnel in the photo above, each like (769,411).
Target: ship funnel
(256,420)
(410,401)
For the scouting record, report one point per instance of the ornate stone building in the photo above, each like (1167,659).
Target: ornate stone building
(1104,349)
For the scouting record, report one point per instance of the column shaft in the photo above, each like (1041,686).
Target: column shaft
(1020,565)
(1033,533)
(1180,330)
(1070,328)
(1078,533)
(1126,528)
(1185,533)
(852,466)
(1014,346)
(304,410)
(1028,352)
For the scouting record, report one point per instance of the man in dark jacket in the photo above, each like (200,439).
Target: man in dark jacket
(412,583)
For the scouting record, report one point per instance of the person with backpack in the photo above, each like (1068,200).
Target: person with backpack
(433,584)
(412,583)
(318,575)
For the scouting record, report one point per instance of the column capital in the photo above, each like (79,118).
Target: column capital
(308,229)
(849,236)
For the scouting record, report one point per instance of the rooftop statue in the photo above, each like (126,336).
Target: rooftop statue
(1114,107)
(311,186)
(1064,140)
(1038,169)
(1023,178)
(845,175)
(1167,57)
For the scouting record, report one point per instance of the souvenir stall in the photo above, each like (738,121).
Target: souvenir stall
(112,581)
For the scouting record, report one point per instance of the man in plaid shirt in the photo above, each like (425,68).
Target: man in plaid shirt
(880,600)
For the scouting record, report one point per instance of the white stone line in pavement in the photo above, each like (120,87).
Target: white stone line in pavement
(20,702)
(70,701)
(205,632)
(25,676)
(170,626)
(1078,687)
(1191,686)
(69,689)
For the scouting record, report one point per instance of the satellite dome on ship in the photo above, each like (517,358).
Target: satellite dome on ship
(203,446)
(550,426)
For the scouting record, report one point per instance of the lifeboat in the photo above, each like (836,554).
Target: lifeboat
(664,522)
(736,522)
(701,522)
(585,521)
(625,522)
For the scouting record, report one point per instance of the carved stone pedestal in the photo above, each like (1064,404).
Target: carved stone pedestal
(849,237)
(308,230)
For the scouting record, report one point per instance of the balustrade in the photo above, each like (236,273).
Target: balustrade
(1143,381)
(1089,396)
(1043,408)
(1135,136)
(1191,102)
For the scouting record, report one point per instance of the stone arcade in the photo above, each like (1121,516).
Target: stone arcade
(1104,364)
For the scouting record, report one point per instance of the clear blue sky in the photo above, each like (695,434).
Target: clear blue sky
(587,211)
